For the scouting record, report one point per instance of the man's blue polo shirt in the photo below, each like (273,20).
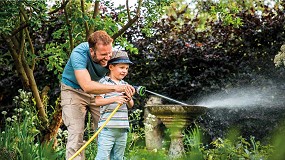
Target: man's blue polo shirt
(80,58)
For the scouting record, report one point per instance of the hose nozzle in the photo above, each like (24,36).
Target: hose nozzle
(140,90)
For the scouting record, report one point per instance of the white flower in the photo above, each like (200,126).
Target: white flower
(29,94)
(148,127)
(65,133)
(9,119)
(139,110)
(14,117)
(27,113)
(4,113)
(151,117)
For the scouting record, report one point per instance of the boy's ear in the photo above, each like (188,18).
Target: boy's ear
(111,66)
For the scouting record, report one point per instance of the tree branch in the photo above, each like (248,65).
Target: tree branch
(130,22)
(32,48)
(125,27)
(69,28)
(15,42)
(41,114)
(95,13)
(85,22)
(24,18)
(22,40)
(55,124)
(63,5)
(18,63)
(139,7)
(96,9)
(128,10)
(17,30)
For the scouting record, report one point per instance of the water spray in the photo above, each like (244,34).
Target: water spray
(141,91)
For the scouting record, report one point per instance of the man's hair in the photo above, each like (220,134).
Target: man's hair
(99,36)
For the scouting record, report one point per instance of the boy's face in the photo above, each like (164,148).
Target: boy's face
(118,71)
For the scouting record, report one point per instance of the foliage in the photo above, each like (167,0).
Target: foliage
(34,13)
(10,18)
(136,133)
(276,140)
(91,150)
(205,54)
(218,149)
(144,154)
(241,149)
(19,137)
(56,59)
(193,143)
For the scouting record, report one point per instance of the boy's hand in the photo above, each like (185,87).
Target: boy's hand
(121,99)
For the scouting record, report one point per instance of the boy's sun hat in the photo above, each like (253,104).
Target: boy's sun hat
(120,57)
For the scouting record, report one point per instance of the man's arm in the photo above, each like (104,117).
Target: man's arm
(89,86)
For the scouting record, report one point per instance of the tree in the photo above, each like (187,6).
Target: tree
(17,28)
(33,34)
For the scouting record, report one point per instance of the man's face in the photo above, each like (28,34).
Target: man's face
(102,54)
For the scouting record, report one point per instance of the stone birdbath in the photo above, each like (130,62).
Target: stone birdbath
(176,118)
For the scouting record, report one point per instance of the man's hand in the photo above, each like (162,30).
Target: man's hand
(127,89)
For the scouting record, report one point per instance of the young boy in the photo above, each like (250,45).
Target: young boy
(113,137)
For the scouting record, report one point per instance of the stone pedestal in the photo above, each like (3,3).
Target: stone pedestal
(176,118)
(176,148)
(153,131)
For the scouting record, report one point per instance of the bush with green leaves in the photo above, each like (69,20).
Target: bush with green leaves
(19,139)
(217,47)
(238,150)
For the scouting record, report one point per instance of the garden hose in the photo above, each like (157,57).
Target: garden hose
(95,135)
(140,90)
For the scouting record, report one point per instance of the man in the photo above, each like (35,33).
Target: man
(84,68)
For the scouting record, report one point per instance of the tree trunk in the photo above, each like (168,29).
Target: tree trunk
(56,122)
(26,74)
